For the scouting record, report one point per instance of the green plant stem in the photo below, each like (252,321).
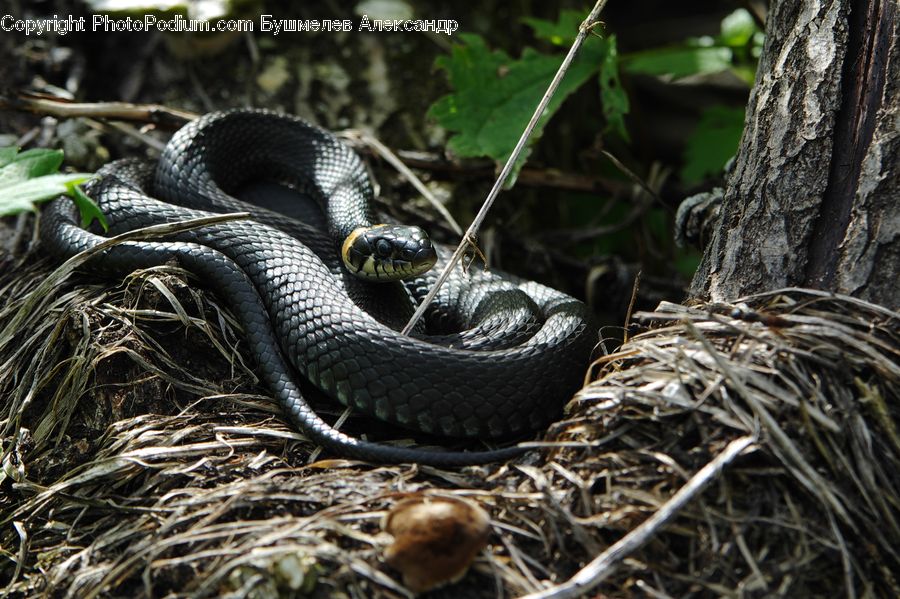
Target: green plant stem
(469,236)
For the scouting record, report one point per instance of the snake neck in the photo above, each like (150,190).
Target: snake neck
(344,212)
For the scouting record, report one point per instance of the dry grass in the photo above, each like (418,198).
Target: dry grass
(141,459)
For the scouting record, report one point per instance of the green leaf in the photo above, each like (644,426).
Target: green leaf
(679,61)
(30,177)
(495,95)
(87,207)
(712,143)
(23,195)
(612,94)
(561,33)
(602,52)
(29,164)
(7,155)
(738,28)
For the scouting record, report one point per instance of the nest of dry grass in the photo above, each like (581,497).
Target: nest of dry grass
(747,450)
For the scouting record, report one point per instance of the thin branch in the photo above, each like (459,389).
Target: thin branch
(605,564)
(469,237)
(130,131)
(637,180)
(634,294)
(162,116)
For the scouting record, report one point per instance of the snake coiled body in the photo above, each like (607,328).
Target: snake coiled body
(303,313)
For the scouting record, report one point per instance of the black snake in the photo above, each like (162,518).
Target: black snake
(498,356)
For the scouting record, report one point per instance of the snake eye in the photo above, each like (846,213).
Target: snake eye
(383,248)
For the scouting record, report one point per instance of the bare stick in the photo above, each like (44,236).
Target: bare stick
(605,564)
(469,237)
(157,114)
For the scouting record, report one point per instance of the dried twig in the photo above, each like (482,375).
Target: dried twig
(469,236)
(604,564)
(163,116)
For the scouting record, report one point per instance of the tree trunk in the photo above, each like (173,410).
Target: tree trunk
(813,198)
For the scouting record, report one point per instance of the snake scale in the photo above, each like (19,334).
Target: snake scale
(497,357)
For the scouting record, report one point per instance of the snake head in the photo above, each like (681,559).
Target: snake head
(388,252)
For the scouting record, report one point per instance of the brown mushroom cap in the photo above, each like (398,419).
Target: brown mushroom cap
(435,539)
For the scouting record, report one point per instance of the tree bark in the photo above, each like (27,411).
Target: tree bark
(813,198)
